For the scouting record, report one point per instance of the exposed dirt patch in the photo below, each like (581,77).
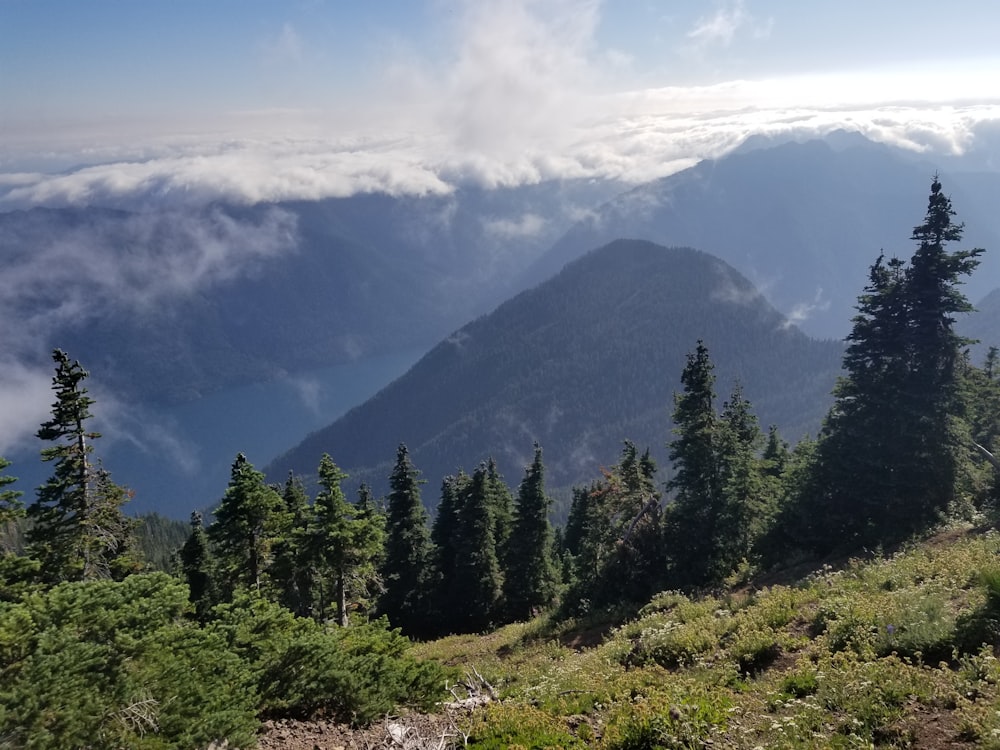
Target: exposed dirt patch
(930,729)
(326,735)
(579,640)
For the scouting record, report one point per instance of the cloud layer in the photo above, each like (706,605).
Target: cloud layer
(519,92)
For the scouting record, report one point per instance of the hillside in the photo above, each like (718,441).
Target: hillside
(580,363)
(889,652)
(803,221)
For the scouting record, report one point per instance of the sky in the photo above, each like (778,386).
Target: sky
(185,101)
(170,106)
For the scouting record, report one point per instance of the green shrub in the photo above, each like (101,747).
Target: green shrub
(686,725)
(115,664)
(509,727)
(352,675)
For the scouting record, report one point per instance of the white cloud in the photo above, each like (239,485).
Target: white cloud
(721,26)
(527,225)
(25,401)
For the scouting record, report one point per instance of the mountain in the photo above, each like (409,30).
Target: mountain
(173,303)
(579,363)
(803,221)
(983,326)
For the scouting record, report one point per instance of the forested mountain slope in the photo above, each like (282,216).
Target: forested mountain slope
(580,363)
(803,221)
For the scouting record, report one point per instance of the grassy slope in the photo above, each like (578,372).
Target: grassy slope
(884,652)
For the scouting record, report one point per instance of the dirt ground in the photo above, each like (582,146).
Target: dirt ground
(412,732)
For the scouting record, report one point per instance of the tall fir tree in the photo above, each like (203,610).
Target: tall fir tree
(78,527)
(369,550)
(405,571)
(692,519)
(198,569)
(445,540)
(531,577)
(292,573)
(345,541)
(11,508)
(246,524)
(477,584)
(938,441)
(892,447)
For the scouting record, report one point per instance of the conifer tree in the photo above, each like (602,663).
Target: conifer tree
(11,507)
(445,539)
(477,583)
(530,576)
(889,456)
(692,518)
(345,540)
(369,549)
(197,567)
(937,440)
(407,550)
(292,574)
(78,526)
(111,547)
(246,523)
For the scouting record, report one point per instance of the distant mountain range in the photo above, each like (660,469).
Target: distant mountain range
(580,363)
(377,279)
(803,221)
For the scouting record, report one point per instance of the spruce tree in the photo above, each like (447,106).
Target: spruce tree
(477,583)
(530,576)
(11,507)
(292,574)
(889,456)
(78,527)
(445,539)
(405,570)
(345,540)
(369,550)
(246,523)
(197,567)
(936,439)
(693,517)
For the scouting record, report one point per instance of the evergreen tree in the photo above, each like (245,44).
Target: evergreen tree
(530,578)
(11,507)
(246,523)
(78,527)
(369,549)
(477,583)
(693,517)
(445,539)
(109,535)
(345,540)
(748,503)
(292,574)
(197,567)
(407,549)
(937,439)
(613,536)
(890,453)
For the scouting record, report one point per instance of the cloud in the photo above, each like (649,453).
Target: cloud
(25,401)
(720,27)
(64,270)
(805,310)
(527,225)
(516,92)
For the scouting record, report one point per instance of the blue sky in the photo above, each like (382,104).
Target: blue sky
(254,100)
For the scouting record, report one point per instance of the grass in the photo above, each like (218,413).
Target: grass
(893,651)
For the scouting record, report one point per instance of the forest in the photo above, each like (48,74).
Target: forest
(294,601)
